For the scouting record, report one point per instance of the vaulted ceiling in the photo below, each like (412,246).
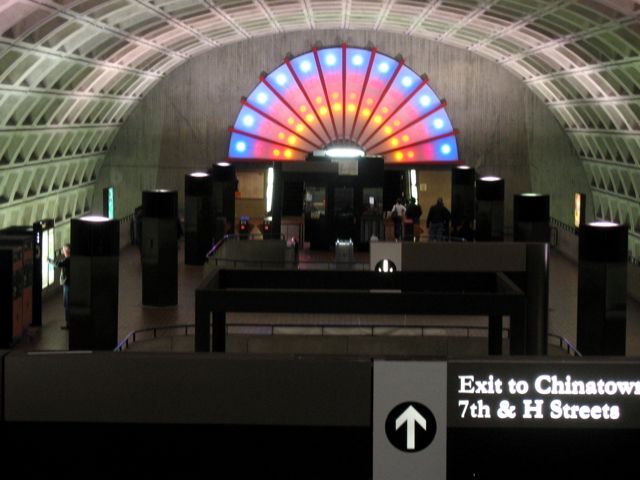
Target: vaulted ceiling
(72,70)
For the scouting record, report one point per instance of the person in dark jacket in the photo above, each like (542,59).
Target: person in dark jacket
(414,212)
(438,221)
(63,262)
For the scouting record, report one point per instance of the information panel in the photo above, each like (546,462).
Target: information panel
(533,394)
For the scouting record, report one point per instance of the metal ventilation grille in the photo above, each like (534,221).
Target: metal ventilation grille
(72,70)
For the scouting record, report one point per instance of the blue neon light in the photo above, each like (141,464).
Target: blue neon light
(305,66)
(248,120)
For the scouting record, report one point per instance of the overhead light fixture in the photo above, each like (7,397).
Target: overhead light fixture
(604,223)
(94,218)
(223,164)
(344,152)
(199,174)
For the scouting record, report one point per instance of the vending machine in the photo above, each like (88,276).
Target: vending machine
(10,295)
(26,244)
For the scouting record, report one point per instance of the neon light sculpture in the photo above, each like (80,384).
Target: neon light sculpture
(347,95)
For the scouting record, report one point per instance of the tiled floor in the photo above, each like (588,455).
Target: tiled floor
(134,316)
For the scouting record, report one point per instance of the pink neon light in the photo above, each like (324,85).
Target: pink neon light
(397,109)
(364,88)
(381,97)
(371,98)
(278,123)
(324,90)
(404,129)
(288,105)
(306,96)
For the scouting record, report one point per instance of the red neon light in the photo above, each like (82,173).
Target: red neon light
(364,89)
(422,142)
(266,140)
(324,89)
(402,104)
(411,124)
(382,95)
(288,105)
(344,88)
(277,122)
(306,96)
(372,128)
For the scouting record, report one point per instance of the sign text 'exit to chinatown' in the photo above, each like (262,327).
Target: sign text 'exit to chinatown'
(571,395)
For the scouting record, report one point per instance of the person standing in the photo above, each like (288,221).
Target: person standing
(414,212)
(438,221)
(63,262)
(398,212)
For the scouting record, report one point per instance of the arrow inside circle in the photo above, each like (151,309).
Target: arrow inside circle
(411,416)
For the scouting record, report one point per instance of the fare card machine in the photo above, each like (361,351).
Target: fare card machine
(315,216)
(42,274)
(26,244)
(11,268)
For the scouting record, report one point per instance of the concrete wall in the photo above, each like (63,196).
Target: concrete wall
(181,125)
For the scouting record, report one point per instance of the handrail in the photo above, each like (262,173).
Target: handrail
(571,228)
(301,265)
(563,343)
(132,335)
(248,236)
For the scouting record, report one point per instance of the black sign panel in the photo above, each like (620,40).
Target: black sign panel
(532,394)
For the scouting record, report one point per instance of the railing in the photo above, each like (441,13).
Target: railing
(299,265)
(271,330)
(558,225)
(237,236)
(565,344)
(132,336)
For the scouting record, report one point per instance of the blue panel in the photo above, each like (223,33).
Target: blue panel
(305,66)
(406,81)
(383,68)
(330,60)
(248,120)
(438,123)
(281,79)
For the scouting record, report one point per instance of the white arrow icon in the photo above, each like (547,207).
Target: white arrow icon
(411,416)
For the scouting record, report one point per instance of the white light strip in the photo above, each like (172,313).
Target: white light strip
(345,152)
(269,188)
(94,218)
(413,175)
(603,223)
